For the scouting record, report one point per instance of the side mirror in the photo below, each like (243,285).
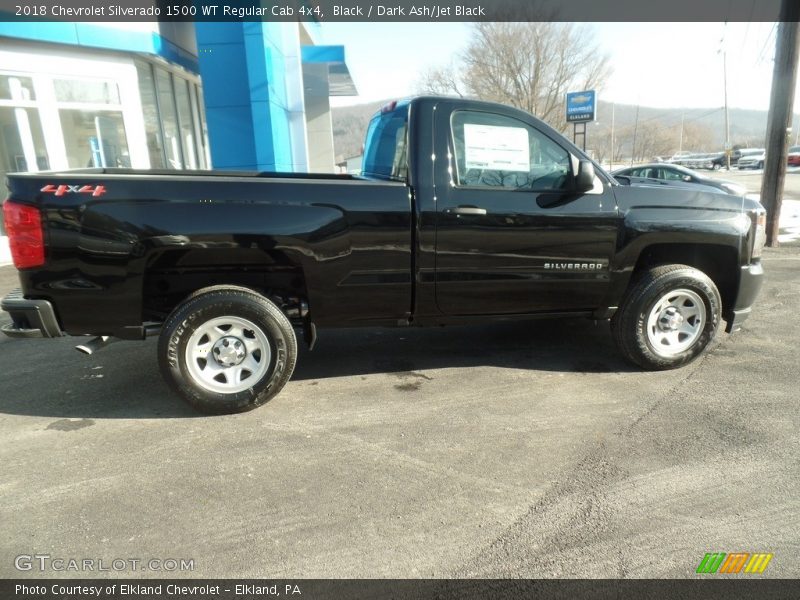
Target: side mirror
(584,180)
(687,177)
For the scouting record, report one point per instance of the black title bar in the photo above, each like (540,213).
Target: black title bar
(398,11)
(705,588)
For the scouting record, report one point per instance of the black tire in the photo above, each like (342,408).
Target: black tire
(716,166)
(629,326)
(760,165)
(271,332)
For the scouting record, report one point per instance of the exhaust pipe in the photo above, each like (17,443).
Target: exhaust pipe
(96,344)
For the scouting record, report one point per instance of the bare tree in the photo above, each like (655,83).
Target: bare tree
(441,81)
(527,65)
(652,140)
(698,137)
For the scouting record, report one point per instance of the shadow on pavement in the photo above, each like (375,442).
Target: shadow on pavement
(49,378)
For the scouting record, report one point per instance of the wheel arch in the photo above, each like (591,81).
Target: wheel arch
(173,276)
(719,262)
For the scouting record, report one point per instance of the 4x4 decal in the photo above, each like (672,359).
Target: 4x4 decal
(61,189)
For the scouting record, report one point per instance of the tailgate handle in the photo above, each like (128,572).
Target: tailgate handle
(467,210)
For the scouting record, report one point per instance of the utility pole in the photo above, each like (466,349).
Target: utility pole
(680,141)
(611,162)
(784,78)
(635,128)
(727,121)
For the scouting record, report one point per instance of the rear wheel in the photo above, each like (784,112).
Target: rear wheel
(669,316)
(227,350)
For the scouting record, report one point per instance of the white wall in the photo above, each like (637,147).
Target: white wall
(44,62)
(5,251)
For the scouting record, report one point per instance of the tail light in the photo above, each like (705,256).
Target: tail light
(25,236)
(760,238)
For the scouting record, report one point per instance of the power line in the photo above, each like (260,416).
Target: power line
(766,42)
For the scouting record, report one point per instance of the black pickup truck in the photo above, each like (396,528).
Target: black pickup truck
(465,211)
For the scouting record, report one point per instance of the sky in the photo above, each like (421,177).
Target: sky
(665,65)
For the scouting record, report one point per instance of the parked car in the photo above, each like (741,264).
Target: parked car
(751,158)
(679,157)
(466,211)
(793,158)
(715,161)
(695,161)
(678,176)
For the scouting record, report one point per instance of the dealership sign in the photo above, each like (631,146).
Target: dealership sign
(581,106)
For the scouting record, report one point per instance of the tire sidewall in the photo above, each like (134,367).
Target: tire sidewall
(687,279)
(197,312)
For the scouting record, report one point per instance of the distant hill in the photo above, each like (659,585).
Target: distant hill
(745,125)
(703,127)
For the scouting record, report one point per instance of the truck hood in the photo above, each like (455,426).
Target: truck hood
(683,201)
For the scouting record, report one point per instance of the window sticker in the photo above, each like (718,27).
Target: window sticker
(496,148)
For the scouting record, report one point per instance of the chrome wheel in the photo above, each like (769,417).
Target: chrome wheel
(676,322)
(228,355)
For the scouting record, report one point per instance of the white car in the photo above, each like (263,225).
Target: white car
(752,159)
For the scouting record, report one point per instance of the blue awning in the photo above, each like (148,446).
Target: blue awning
(339,79)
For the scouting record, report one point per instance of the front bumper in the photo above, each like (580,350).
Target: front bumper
(750,282)
(29,318)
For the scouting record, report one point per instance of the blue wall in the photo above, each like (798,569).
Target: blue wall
(242,68)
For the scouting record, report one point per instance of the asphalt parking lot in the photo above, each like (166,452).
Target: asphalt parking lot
(525,450)
(751,179)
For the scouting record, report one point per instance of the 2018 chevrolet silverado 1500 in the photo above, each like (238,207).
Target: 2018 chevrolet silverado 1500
(465,211)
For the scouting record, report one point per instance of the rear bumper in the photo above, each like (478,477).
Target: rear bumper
(750,282)
(29,318)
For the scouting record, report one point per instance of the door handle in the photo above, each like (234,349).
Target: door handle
(466,210)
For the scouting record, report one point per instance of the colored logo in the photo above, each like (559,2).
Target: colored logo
(735,562)
(60,190)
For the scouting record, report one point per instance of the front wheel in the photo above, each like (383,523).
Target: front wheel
(669,316)
(227,350)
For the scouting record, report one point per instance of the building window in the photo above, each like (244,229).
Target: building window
(186,122)
(22,145)
(152,125)
(203,133)
(94,138)
(85,112)
(86,91)
(16,87)
(169,119)
(90,112)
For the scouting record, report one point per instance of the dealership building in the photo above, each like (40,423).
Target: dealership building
(252,96)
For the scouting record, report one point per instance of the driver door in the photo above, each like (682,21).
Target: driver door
(512,235)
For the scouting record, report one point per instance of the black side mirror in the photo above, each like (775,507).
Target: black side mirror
(584,180)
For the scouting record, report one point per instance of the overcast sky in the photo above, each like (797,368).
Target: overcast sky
(655,64)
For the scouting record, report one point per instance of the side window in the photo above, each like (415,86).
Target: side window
(671,175)
(501,152)
(385,150)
